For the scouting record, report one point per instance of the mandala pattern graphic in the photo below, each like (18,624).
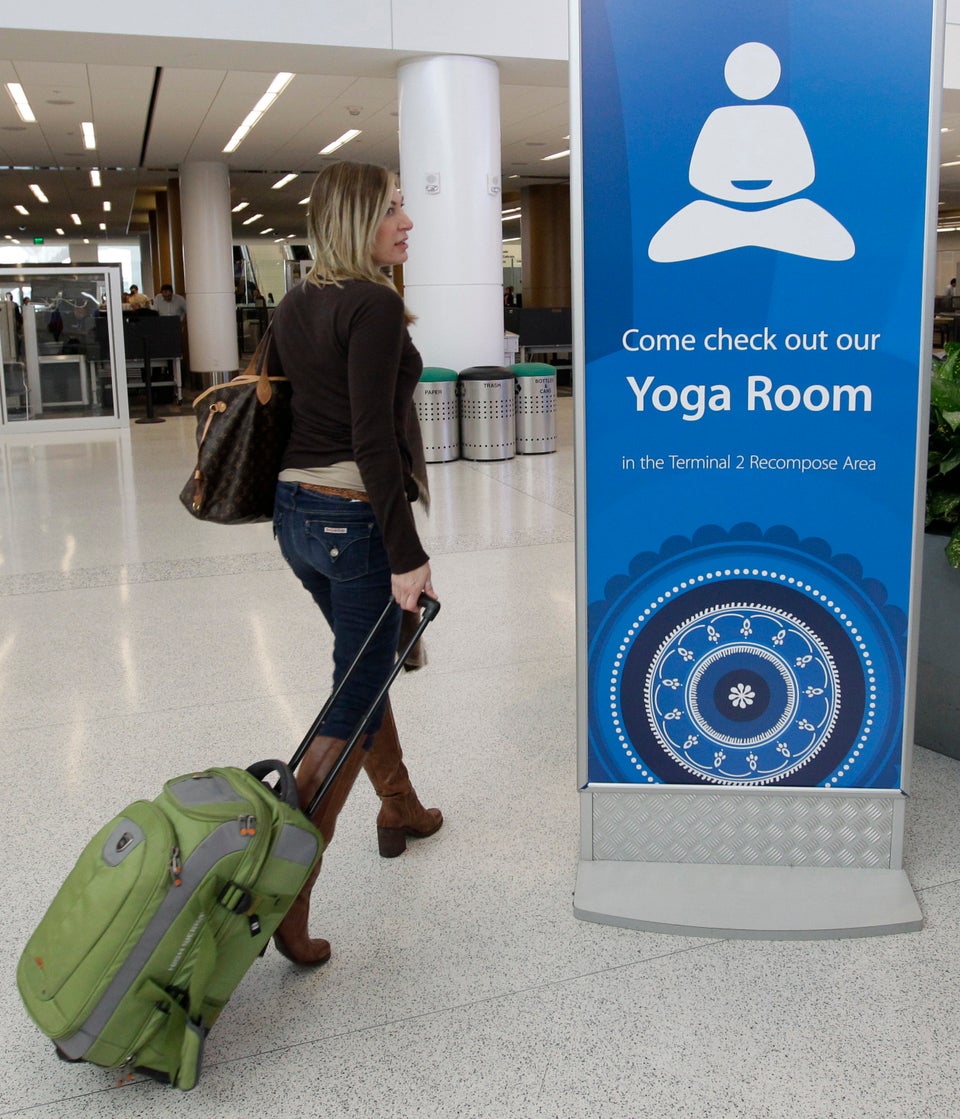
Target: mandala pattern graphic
(747,661)
(742,692)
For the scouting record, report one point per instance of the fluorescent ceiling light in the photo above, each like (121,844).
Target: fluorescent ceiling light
(89,139)
(103,226)
(556,155)
(250,221)
(276,87)
(510,217)
(107,207)
(239,206)
(956,163)
(38,193)
(75,218)
(269,229)
(19,99)
(304,201)
(22,210)
(350,134)
(95,177)
(59,232)
(283,182)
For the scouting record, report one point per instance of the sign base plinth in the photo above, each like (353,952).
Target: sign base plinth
(749,902)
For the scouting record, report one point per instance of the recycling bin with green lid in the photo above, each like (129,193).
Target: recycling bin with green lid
(488,424)
(435,398)
(536,408)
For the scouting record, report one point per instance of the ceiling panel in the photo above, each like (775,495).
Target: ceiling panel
(194,110)
(182,102)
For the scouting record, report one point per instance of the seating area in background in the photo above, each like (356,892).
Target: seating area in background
(545,333)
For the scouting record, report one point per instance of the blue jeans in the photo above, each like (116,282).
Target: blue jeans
(335,549)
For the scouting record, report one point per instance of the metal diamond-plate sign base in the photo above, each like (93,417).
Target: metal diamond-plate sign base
(743,829)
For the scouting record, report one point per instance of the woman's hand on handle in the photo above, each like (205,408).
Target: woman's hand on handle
(408,587)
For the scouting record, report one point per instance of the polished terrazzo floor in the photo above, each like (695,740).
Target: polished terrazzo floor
(137,643)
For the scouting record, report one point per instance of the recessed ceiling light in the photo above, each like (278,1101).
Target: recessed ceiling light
(239,206)
(263,232)
(19,99)
(75,218)
(304,201)
(22,210)
(276,87)
(59,232)
(350,134)
(103,226)
(251,220)
(95,177)
(107,207)
(556,155)
(283,182)
(89,137)
(38,193)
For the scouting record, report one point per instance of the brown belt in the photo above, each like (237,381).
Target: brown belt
(335,491)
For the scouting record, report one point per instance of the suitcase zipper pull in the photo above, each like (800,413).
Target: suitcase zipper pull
(176,867)
(248,825)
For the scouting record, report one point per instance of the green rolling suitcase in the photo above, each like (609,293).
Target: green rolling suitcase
(169,905)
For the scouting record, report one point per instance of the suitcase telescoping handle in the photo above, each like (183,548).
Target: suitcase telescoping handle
(430,608)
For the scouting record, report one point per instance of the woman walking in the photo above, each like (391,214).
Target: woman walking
(353,466)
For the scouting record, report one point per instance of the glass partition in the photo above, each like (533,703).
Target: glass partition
(62,361)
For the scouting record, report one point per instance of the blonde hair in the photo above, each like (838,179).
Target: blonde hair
(348,202)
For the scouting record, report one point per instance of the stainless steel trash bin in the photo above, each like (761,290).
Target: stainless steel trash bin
(536,408)
(488,424)
(435,398)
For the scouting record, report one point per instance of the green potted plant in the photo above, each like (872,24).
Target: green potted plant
(938,670)
(943,461)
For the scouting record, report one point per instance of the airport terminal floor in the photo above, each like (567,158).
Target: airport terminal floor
(137,644)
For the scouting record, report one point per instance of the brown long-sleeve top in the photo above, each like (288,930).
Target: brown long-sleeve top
(353,369)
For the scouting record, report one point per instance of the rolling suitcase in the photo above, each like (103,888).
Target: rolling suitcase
(171,902)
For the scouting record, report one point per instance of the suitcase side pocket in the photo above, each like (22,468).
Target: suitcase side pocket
(104,904)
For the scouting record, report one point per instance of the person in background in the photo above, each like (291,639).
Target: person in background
(169,303)
(353,466)
(137,300)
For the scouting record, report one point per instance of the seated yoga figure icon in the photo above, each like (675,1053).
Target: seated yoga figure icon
(748,155)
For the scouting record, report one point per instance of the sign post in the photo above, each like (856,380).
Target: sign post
(754,335)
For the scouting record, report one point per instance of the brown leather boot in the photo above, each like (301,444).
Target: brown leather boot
(401,813)
(292,937)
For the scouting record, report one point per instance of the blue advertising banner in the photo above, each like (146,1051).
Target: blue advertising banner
(755,211)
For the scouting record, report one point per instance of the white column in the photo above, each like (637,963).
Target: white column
(450,176)
(208,268)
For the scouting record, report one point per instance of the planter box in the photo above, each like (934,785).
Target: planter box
(938,669)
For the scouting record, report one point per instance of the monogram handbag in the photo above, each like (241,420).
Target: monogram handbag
(242,430)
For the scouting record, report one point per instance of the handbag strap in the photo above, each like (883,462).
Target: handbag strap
(260,374)
(264,388)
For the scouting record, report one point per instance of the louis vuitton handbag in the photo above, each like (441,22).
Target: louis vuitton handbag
(242,430)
